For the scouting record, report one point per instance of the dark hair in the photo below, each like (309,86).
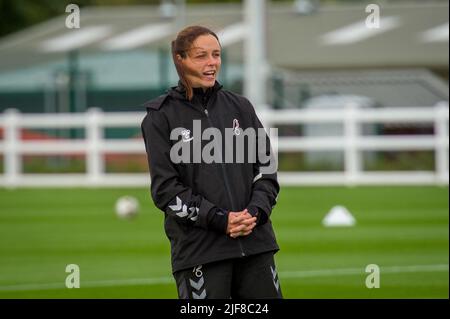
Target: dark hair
(181,45)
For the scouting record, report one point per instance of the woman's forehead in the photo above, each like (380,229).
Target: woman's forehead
(199,49)
(205,42)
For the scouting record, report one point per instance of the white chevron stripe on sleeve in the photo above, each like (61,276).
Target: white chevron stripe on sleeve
(177,206)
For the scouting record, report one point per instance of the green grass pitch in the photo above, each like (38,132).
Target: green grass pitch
(403,230)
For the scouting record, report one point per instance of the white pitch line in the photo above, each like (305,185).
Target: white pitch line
(91,284)
(282,274)
(357,271)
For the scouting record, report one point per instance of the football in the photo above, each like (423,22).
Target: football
(127,207)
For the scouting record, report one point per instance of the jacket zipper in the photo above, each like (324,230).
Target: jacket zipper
(227,185)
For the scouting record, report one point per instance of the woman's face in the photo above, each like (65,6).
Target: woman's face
(202,62)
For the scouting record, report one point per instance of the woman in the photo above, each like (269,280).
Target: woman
(216,211)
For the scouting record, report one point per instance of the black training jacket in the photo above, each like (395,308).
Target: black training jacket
(197,196)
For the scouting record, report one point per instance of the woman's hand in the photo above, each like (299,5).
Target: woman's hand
(240,223)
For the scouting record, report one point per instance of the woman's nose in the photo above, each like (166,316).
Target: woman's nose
(212,61)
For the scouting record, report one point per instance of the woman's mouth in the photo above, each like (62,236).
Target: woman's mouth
(209,75)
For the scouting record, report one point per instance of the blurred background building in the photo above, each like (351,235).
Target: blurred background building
(318,55)
(120,57)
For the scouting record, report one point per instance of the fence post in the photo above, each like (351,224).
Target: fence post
(263,114)
(352,162)
(13,162)
(94,156)
(441,148)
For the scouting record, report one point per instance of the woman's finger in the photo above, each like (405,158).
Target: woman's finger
(242,228)
(249,221)
(238,229)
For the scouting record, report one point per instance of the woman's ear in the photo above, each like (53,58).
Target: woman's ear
(179,58)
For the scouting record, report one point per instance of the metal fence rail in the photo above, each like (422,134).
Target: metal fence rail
(352,143)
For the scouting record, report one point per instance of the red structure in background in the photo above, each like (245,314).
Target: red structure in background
(113,162)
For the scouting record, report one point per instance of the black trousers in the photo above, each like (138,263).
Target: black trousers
(251,277)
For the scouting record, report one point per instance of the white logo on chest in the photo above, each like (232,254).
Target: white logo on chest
(236,129)
(186,135)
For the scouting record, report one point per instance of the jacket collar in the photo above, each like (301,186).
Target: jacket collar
(179,91)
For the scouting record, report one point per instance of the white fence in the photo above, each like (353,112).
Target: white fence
(352,143)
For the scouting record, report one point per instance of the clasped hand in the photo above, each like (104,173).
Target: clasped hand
(240,223)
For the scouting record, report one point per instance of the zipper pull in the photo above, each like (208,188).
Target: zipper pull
(206,112)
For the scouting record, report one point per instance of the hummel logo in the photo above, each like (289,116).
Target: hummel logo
(186,135)
(201,296)
(197,285)
(276,281)
(182,210)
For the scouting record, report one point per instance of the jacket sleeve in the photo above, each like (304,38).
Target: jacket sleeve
(265,182)
(168,193)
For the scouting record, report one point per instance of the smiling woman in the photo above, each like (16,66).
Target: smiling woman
(197,61)
(217,214)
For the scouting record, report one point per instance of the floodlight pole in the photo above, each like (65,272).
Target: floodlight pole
(256,66)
